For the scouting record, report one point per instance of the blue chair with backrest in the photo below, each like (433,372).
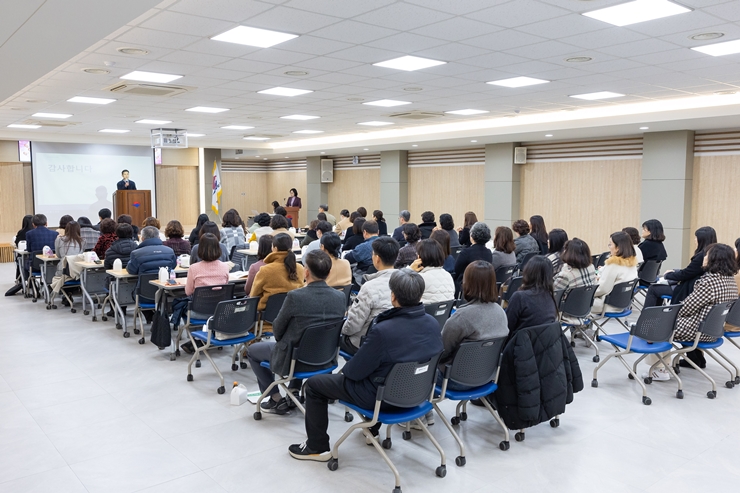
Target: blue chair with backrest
(317,351)
(476,365)
(270,313)
(408,389)
(440,311)
(651,334)
(229,326)
(144,295)
(647,274)
(577,304)
(201,307)
(620,300)
(733,318)
(713,325)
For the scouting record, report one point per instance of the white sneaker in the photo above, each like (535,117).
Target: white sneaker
(658,375)
(427,420)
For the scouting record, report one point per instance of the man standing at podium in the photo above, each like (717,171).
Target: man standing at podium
(126,184)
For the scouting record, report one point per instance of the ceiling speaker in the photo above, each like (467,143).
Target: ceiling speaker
(327,171)
(520,155)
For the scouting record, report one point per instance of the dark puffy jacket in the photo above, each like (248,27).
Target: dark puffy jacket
(539,375)
(149,256)
(121,248)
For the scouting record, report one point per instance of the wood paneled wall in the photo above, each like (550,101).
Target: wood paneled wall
(588,199)
(353,188)
(445,189)
(12,198)
(246,191)
(715,193)
(280,182)
(177,194)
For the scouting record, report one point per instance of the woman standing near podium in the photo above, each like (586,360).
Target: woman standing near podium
(293,200)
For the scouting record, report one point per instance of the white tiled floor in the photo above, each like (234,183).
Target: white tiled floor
(84,410)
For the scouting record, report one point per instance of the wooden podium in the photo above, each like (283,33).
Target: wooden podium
(135,203)
(294,213)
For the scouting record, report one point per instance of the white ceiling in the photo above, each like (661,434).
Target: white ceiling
(338,42)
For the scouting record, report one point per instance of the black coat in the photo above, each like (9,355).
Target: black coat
(121,248)
(539,375)
(426,229)
(470,255)
(686,278)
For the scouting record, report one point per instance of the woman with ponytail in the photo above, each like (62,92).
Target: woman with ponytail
(280,274)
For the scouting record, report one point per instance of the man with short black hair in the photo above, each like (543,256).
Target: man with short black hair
(402,334)
(40,236)
(321,229)
(427,224)
(329,217)
(403,217)
(104,213)
(316,303)
(125,183)
(374,296)
(362,255)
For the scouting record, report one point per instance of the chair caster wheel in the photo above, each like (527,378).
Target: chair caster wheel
(648,380)
(460,461)
(594,383)
(406,435)
(712,394)
(646,400)
(572,343)
(441,471)
(677,370)
(104,318)
(519,437)
(348,417)
(73,310)
(737,380)
(48,307)
(221,390)
(126,335)
(504,446)
(387,444)
(257,416)
(729,384)
(119,327)
(630,376)
(100,306)
(177,352)
(197,363)
(86,312)
(234,367)
(34,300)
(554,423)
(142,341)
(679,394)
(455,421)
(596,359)
(243,365)
(190,378)
(172,357)
(137,331)
(95,319)
(333,465)
(463,416)
(397,489)
(53,307)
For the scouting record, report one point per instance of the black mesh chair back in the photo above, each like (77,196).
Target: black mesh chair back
(440,311)
(621,296)
(274,304)
(319,344)
(714,323)
(235,316)
(558,295)
(733,317)
(455,252)
(146,289)
(648,271)
(504,273)
(656,323)
(476,363)
(239,259)
(579,301)
(600,260)
(527,258)
(206,298)
(35,261)
(410,384)
(347,290)
(512,286)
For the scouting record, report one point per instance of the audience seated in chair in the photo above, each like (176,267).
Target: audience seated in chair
(539,233)
(344,222)
(556,242)
(324,208)
(653,237)
(577,271)
(427,224)
(635,237)
(503,247)
(443,238)
(404,333)
(407,253)
(107,237)
(316,303)
(279,224)
(525,243)
(480,235)
(447,223)
(280,274)
(40,236)
(174,233)
(534,303)
(151,254)
(195,233)
(403,217)
(122,247)
(89,234)
(621,266)
(232,231)
(264,248)
(438,283)
(464,231)
(322,227)
(209,227)
(362,254)
(260,227)
(103,213)
(154,222)
(341,271)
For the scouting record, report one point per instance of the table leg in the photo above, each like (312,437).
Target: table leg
(86,294)
(20,261)
(117,310)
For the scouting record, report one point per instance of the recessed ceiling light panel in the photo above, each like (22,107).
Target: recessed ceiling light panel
(83,99)
(296,73)
(644,128)
(27,127)
(207,109)
(153,122)
(96,71)
(252,36)
(720,49)
(706,36)
(578,59)
(236,127)
(60,116)
(637,11)
(375,123)
(413,89)
(132,51)
(254,137)
(299,117)
(466,112)
(518,82)
(409,63)
(284,91)
(387,103)
(141,76)
(308,132)
(591,96)
(113,131)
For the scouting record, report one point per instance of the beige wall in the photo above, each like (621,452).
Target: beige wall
(588,199)
(12,198)
(177,186)
(445,189)
(246,191)
(353,188)
(715,192)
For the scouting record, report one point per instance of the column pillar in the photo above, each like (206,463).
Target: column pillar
(667,180)
(317,193)
(210,155)
(394,184)
(502,185)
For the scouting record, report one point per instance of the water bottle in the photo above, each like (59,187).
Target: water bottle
(172,275)
(117,264)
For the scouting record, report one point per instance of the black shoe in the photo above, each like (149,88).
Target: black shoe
(685,364)
(291,403)
(477,402)
(301,451)
(272,406)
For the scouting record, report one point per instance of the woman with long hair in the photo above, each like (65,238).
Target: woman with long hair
(534,303)
(280,274)
(621,266)
(464,232)
(264,248)
(652,243)
(556,241)
(443,238)
(341,271)
(26,226)
(71,243)
(382,226)
(539,232)
(195,233)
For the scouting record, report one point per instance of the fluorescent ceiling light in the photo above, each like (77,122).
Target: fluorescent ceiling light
(387,103)
(548,135)
(254,137)
(252,36)
(719,49)
(113,131)
(375,123)
(598,95)
(207,109)
(236,127)
(194,135)
(19,125)
(153,122)
(466,112)
(637,11)
(409,63)
(150,77)
(644,128)
(284,91)
(518,82)
(308,132)
(83,99)
(51,115)
(299,117)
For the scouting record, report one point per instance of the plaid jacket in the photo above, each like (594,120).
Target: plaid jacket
(38,238)
(89,237)
(709,290)
(569,278)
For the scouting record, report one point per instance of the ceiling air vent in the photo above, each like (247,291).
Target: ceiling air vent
(50,123)
(147,89)
(416,115)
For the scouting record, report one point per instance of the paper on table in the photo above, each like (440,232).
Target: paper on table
(240,274)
